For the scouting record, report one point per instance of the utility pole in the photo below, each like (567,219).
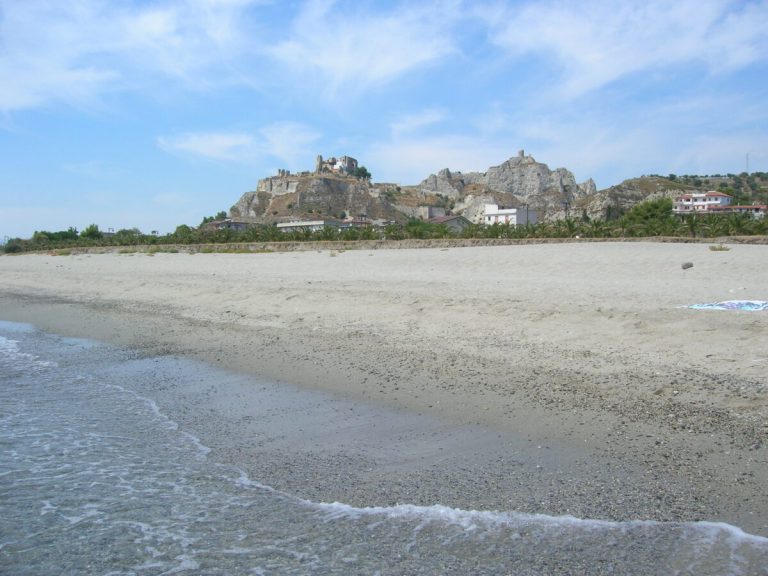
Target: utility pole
(747,163)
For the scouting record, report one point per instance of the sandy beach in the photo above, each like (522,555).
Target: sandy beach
(562,379)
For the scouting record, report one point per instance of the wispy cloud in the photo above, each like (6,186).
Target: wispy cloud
(357,46)
(76,52)
(213,145)
(597,42)
(289,142)
(409,160)
(414,122)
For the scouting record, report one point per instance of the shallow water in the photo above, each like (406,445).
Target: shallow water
(96,479)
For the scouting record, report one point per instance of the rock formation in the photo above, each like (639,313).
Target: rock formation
(312,196)
(332,193)
(611,202)
(520,180)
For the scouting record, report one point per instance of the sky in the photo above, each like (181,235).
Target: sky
(151,114)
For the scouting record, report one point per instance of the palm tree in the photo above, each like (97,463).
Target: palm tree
(368,233)
(692,224)
(596,229)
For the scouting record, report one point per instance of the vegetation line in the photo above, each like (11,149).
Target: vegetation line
(652,219)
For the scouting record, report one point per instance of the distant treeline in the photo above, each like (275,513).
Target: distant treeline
(648,219)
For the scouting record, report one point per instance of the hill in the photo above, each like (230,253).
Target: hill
(519,181)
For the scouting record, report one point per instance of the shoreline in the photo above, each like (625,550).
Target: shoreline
(580,349)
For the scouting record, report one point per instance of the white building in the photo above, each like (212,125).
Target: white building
(697,202)
(512,216)
(754,210)
(298,225)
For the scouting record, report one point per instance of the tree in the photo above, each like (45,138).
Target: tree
(13,246)
(394,232)
(92,232)
(184,235)
(127,236)
(659,208)
(362,173)
(692,224)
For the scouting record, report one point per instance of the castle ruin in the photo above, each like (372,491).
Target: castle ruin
(343,165)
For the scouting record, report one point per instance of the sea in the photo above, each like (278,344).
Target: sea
(96,479)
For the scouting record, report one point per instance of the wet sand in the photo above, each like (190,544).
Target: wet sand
(554,379)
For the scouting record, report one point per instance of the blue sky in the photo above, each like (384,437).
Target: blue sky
(150,114)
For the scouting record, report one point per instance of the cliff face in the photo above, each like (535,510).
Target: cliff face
(312,196)
(521,180)
(613,201)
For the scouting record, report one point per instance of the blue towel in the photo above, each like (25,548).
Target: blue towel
(748,305)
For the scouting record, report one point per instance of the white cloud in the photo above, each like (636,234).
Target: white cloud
(214,145)
(289,142)
(75,52)
(410,160)
(355,48)
(414,122)
(597,42)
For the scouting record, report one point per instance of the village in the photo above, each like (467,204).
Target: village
(520,213)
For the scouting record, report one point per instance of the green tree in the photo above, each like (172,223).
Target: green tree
(394,232)
(184,235)
(362,173)
(693,224)
(13,246)
(92,232)
(127,236)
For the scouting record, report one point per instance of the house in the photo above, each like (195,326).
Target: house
(512,216)
(311,225)
(228,224)
(429,212)
(698,202)
(754,210)
(454,223)
(359,222)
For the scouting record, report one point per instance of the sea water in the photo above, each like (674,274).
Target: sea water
(96,479)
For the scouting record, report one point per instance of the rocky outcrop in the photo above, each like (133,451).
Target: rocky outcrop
(312,196)
(519,180)
(614,201)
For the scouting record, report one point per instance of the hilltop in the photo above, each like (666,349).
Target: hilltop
(335,189)
(338,193)
(611,202)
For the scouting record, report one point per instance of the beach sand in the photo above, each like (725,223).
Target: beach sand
(562,379)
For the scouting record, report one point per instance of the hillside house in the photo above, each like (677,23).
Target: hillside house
(701,202)
(429,212)
(754,210)
(513,216)
(311,225)
(229,224)
(454,223)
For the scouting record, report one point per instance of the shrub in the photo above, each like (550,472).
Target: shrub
(13,246)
